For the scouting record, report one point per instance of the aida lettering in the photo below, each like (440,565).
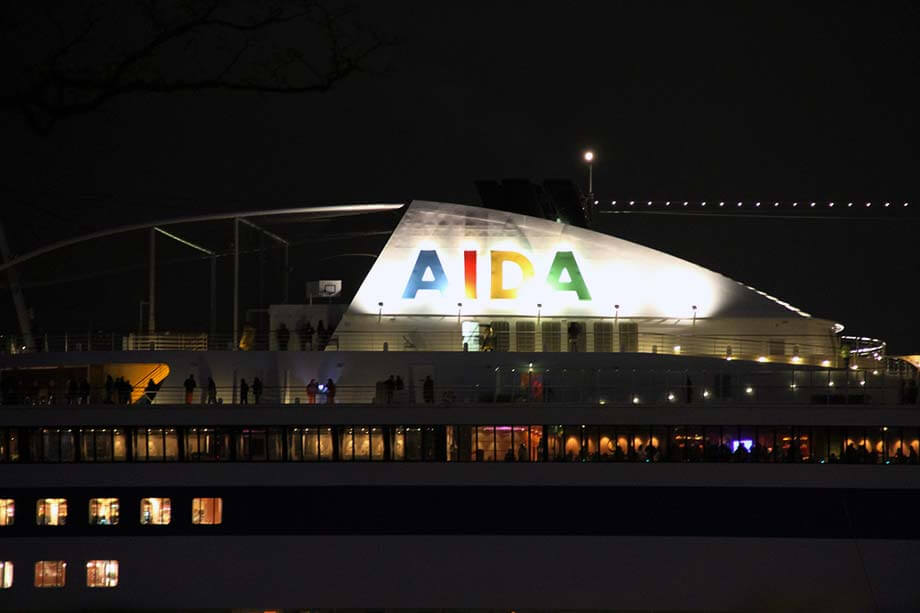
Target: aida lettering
(563,275)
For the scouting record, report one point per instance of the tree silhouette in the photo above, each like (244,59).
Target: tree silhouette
(65,59)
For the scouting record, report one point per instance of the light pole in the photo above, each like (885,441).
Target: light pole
(589,160)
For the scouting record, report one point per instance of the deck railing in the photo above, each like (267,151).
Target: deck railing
(814,350)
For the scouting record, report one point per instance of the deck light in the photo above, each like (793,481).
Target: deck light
(635,400)
(705,393)
(825,363)
(676,348)
(589,156)
(763,358)
(749,390)
(670,396)
(796,359)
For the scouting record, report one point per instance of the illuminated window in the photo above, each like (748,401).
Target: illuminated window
(102,573)
(156,445)
(103,511)
(6,574)
(9,445)
(551,331)
(51,512)
(502,333)
(603,336)
(102,445)
(7,511)
(525,335)
(207,510)
(50,573)
(156,511)
(629,337)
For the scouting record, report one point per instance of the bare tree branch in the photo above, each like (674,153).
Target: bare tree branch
(112,49)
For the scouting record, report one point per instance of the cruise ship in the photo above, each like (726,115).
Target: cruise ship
(512,412)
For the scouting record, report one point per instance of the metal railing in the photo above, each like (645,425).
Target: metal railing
(814,350)
(517,388)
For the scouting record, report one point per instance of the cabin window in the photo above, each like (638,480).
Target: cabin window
(50,573)
(51,512)
(102,573)
(7,511)
(6,574)
(103,511)
(156,511)
(207,511)
(9,445)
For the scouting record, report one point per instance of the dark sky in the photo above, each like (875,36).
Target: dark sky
(686,101)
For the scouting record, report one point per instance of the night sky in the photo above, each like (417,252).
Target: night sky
(690,101)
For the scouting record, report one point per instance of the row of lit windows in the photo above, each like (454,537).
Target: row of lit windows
(464,443)
(53,573)
(104,511)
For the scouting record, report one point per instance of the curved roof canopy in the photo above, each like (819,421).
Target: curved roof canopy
(444,257)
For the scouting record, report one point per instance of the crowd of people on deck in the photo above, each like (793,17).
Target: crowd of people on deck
(393,390)
(308,337)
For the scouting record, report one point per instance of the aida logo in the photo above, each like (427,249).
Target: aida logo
(563,275)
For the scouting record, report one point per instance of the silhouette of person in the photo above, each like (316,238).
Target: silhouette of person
(84,391)
(151,390)
(390,385)
(283,336)
(109,388)
(190,386)
(212,391)
(244,392)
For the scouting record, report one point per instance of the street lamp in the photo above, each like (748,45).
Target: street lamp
(589,160)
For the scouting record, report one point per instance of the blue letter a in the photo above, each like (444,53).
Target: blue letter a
(426,260)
